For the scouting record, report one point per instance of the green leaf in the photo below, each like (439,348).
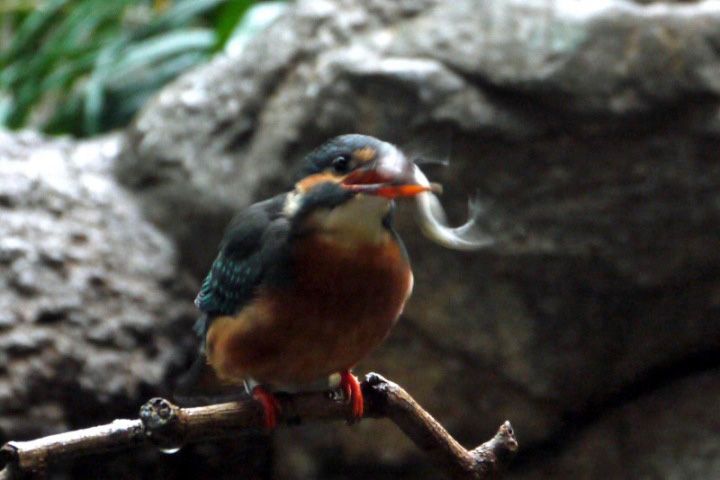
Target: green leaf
(95,62)
(158,48)
(228,19)
(179,15)
(31,30)
(157,74)
(93,104)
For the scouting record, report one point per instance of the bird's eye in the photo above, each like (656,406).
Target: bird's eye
(341,164)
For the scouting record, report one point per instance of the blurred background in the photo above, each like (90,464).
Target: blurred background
(131,131)
(85,67)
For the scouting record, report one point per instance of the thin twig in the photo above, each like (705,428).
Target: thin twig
(168,426)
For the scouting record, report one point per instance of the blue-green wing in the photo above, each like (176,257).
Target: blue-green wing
(242,261)
(230,284)
(252,252)
(227,287)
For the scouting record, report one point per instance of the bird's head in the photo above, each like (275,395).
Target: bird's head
(347,186)
(361,164)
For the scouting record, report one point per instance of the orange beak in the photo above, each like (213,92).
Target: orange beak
(387,190)
(391,176)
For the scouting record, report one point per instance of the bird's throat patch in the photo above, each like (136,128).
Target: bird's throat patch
(354,223)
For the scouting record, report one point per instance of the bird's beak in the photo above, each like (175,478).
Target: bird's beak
(390,176)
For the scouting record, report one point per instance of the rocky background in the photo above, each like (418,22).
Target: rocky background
(591,131)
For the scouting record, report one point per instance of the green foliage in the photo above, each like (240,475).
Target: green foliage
(86,66)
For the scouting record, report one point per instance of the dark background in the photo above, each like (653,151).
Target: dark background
(590,130)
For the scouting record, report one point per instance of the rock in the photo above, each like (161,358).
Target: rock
(590,130)
(668,434)
(88,290)
(603,58)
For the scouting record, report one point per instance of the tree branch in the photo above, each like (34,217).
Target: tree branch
(168,426)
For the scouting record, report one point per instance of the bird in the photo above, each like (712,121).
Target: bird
(307,283)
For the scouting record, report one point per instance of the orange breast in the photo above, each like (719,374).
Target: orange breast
(341,305)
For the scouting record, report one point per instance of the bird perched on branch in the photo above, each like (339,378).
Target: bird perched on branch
(307,283)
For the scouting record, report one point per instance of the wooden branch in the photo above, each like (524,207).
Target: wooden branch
(168,426)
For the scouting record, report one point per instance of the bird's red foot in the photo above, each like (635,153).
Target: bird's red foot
(270,405)
(351,388)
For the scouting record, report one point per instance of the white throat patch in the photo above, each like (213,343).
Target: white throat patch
(359,220)
(292,203)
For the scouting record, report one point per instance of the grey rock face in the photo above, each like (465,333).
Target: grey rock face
(89,314)
(680,442)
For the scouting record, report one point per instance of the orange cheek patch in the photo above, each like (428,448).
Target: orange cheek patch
(308,183)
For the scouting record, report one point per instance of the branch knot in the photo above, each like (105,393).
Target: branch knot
(163,423)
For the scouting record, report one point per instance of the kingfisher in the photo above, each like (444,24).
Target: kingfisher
(310,281)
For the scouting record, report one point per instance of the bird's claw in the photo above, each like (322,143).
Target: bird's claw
(270,406)
(353,393)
